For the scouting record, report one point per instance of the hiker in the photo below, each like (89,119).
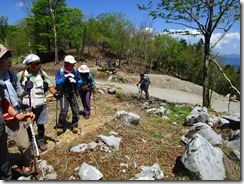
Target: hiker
(37,95)
(86,88)
(67,81)
(5,106)
(109,63)
(13,91)
(145,82)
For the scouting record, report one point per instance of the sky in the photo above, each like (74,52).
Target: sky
(230,44)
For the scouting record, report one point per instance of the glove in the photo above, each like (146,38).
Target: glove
(69,75)
(28,85)
(57,95)
(72,80)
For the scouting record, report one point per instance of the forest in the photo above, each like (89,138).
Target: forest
(51,29)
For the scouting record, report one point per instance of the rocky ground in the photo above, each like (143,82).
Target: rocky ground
(152,141)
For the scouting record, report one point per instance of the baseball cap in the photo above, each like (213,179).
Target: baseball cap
(3,50)
(69,59)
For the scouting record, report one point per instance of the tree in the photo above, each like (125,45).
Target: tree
(54,31)
(114,28)
(41,23)
(205,16)
(3,29)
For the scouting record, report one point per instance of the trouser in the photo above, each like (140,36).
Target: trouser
(20,135)
(40,132)
(41,119)
(86,101)
(146,92)
(68,99)
(5,166)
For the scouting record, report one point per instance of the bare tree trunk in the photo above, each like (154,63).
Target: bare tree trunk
(206,72)
(54,32)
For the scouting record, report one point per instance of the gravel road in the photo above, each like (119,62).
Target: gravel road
(178,91)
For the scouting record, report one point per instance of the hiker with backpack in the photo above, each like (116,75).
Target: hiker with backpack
(6,106)
(67,81)
(13,91)
(86,88)
(145,82)
(37,95)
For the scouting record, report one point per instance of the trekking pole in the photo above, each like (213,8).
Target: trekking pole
(38,156)
(94,99)
(56,127)
(29,122)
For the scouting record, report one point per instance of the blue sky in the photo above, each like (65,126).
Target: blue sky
(91,8)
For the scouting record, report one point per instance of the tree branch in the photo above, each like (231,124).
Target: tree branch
(225,76)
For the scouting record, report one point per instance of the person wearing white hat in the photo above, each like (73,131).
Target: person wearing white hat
(67,81)
(37,95)
(85,90)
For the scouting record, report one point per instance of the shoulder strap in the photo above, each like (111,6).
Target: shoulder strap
(42,75)
(10,76)
(22,76)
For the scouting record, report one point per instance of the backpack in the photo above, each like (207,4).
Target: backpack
(149,82)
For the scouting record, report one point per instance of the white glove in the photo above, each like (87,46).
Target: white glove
(72,80)
(69,75)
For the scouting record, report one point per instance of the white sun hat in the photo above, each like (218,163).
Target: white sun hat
(30,58)
(83,69)
(70,59)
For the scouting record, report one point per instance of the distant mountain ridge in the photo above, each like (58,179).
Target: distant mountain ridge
(232,59)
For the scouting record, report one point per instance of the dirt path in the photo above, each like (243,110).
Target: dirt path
(187,95)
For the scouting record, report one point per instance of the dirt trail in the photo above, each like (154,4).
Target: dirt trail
(186,93)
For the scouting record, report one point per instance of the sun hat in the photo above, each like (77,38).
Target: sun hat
(31,58)
(83,69)
(69,59)
(3,50)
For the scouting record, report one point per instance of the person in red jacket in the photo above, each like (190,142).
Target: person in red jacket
(5,106)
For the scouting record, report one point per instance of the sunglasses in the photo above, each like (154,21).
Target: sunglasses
(38,63)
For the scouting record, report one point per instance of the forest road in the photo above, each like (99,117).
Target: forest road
(218,103)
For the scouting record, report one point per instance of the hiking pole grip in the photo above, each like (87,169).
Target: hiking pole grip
(28,119)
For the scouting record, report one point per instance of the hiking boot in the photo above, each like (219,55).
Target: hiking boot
(60,131)
(27,170)
(41,145)
(75,130)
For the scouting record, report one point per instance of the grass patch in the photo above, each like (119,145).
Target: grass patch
(178,113)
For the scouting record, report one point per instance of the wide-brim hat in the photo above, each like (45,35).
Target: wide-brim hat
(31,58)
(3,50)
(70,59)
(83,69)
